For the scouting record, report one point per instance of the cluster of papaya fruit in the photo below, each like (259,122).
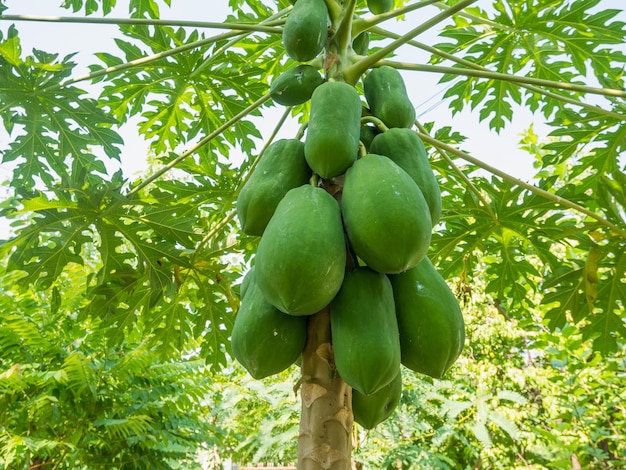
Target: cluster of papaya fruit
(360,249)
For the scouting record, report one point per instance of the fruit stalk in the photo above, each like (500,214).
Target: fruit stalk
(325,440)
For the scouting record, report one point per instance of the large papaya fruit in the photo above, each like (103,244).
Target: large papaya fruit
(379,6)
(306,30)
(296,85)
(332,140)
(405,148)
(265,340)
(387,98)
(364,331)
(371,410)
(282,167)
(385,215)
(432,331)
(300,260)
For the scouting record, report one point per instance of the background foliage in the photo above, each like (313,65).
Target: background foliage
(118,293)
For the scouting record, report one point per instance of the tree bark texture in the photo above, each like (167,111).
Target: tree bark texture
(325,440)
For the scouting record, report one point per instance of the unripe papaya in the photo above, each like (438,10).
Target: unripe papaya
(387,97)
(301,257)
(306,30)
(379,6)
(245,283)
(364,331)
(282,167)
(385,215)
(367,135)
(371,410)
(296,85)
(432,331)
(361,43)
(265,340)
(405,148)
(332,140)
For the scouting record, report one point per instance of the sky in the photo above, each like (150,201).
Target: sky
(499,150)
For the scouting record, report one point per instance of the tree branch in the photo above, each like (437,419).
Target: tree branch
(255,27)
(198,145)
(353,72)
(533,189)
(532,88)
(505,77)
(364,24)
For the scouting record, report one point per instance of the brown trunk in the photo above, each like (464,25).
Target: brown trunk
(325,440)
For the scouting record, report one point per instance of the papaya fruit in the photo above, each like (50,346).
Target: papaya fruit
(265,340)
(385,215)
(432,331)
(361,43)
(367,135)
(387,98)
(245,283)
(364,331)
(405,148)
(306,30)
(295,86)
(300,260)
(379,6)
(282,167)
(332,139)
(371,410)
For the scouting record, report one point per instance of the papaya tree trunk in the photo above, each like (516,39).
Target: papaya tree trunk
(325,440)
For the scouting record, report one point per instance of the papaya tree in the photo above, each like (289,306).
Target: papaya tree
(372,205)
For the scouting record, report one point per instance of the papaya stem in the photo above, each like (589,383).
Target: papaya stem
(463,177)
(254,27)
(364,24)
(478,19)
(258,103)
(534,89)
(344,32)
(373,119)
(354,71)
(334,10)
(611,92)
(533,189)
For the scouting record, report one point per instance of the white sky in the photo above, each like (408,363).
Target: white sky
(498,150)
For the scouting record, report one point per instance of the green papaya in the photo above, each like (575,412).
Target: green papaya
(371,410)
(306,30)
(364,331)
(405,148)
(385,215)
(245,283)
(281,168)
(379,6)
(265,340)
(367,135)
(432,331)
(300,260)
(361,43)
(295,86)
(387,98)
(332,140)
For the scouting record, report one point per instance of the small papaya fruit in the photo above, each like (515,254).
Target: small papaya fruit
(432,331)
(282,167)
(265,340)
(332,140)
(245,283)
(300,260)
(379,6)
(385,215)
(295,86)
(371,410)
(405,148)
(361,43)
(387,98)
(367,135)
(364,331)
(306,30)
